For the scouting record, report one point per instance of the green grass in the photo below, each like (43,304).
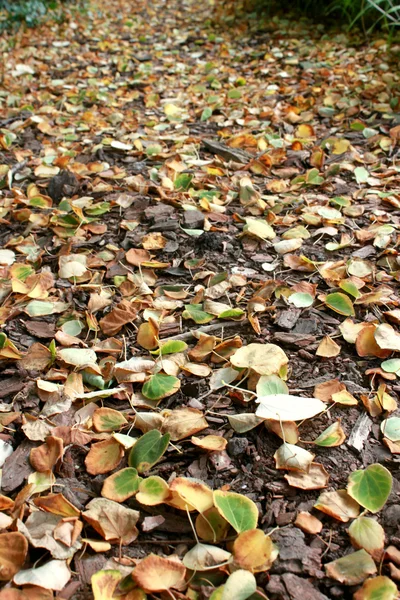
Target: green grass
(367,14)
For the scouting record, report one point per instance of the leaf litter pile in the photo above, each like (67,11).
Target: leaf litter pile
(199,341)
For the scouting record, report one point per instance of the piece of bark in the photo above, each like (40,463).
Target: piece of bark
(17,467)
(294,340)
(360,432)
(227,153)
(11,386)
(298,587)
(40,329)
(287,319)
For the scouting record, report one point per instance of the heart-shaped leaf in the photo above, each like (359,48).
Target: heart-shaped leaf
(121,485)
(148,450)
(370,487)
(238,510)
(160,386)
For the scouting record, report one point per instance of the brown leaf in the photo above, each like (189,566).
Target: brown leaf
(45,457)
(122,314)
(13,551)
(157,574)
(104,457)
(115,523)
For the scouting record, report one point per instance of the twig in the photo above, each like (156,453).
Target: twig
(207,329)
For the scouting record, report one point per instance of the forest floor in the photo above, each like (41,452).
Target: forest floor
(167,179)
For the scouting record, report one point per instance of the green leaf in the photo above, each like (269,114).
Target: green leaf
(170,347)
(160,386)
(121,485)
(148,450)
(361,174)
(391,429)
(153,490)
(301,299)
(271,384)
(240,585)
(238,510)
(366,533)
(206,114)
(377,588)
(183,181)
(332,436)
(351,569)
(39,308)
(78,357)
(350,288)
(108,419)
(340,303)
(196,314)
(370,487)
(391,366)
(232,313)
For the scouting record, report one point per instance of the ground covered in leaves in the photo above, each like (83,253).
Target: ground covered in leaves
(195,218)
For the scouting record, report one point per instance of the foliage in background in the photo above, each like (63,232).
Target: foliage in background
(368,14)
(14,13)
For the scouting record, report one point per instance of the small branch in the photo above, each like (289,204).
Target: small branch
(207,329)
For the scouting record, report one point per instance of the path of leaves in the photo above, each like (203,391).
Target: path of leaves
(194,218)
